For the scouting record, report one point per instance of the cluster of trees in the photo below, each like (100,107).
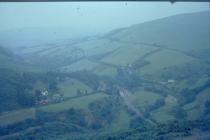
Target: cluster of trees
(17,127)
(58,129)
(16,89)
(207,108)
(105,110)
(127,78)
(167,131)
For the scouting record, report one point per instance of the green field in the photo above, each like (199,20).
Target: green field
(105,70)
(69,88)
(127,55)
(164,59)
(17,116)
(83,64)
(77,103)
(144,98)
(162,115)
(97,47)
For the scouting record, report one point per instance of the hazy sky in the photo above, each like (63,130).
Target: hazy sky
(90,17)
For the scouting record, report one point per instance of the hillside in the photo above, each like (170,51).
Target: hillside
(13,62)
(181,32)
(132,83)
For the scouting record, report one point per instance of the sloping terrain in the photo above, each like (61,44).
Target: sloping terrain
(147,78)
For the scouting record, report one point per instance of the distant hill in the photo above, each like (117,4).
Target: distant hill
(11,61)
(184,31)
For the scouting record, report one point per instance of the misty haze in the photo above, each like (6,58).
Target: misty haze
(105,71)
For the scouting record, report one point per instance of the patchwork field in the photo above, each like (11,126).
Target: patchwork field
(127,55)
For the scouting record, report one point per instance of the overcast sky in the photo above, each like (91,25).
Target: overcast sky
(89,17)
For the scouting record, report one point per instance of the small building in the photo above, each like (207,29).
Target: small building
(44,93)
(171,81)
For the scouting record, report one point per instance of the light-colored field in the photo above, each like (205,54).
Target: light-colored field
(91,44)
(39,85)
(127,55)
(17,116)
(144,98)
(96,47)
(77,103)
(164,59)
(69,88)
(34,49)
(163,114)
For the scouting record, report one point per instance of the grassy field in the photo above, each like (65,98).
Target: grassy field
(98,47)
(69,88)
(83,64)
(164,59)
(144,98)
(39,85)
(127,55)
(103,70)
(17,116)
(77,103)
(161,115)
(164,114)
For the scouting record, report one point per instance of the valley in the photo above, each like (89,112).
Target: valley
(146,81)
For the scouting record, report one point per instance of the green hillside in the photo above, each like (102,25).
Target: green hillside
(147,81)
(182,32)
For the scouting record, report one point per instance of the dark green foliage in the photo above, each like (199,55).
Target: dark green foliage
(178,112)
(14,91)
(207,107)
(156,105)
(160,132)
(127,78)
(189,95)
(104,109)
(137,122)
(16,127)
